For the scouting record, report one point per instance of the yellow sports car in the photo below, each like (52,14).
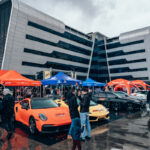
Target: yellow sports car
(97,111)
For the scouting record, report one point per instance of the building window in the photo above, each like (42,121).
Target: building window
(126,69)
(124,61)
(130,77)
(56,65)
(5,10)
(59,55)
(122,53)
(66,35)
(60,44)
(118,44)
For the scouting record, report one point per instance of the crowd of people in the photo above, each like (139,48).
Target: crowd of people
(80,129)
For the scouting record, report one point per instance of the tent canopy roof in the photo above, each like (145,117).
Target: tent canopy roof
(13,78)
(60,78)
(91,82)
(118,81)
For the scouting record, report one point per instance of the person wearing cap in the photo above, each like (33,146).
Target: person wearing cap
(8,111)
(84,113)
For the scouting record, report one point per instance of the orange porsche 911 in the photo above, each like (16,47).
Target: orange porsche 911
(43,115)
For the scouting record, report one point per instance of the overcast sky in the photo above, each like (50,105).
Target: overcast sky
(110,17)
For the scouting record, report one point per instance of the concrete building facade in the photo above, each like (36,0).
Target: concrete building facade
(31,41)
(129,55)
(36,42)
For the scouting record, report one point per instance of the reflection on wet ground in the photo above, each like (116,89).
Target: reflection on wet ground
(129,132)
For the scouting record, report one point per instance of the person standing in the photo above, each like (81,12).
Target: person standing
(76,133)
(84,113)
(148,100)
(73,109)
(8,111)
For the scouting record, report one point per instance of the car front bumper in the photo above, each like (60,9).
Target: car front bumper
(54,129)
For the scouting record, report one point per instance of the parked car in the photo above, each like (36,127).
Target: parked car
(43,115)
(134,98)
(112,101)
(140,94)
(97,111)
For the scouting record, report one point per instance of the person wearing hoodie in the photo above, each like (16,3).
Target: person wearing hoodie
(73,108)
(84,113)
(76,133)
(8,111)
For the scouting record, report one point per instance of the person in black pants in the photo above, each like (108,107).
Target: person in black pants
(84,113)
(8,112)
(73,108)
(76,133)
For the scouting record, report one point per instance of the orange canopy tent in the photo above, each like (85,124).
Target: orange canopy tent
(13,78)
(117,83)
(140,83)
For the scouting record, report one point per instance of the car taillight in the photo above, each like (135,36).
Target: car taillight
(101,98)
(134,94)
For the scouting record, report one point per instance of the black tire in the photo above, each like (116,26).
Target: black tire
(32,126)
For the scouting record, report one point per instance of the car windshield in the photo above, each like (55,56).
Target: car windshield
(121,94)
(42,103)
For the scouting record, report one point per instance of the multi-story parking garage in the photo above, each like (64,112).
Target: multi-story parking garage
(31,41)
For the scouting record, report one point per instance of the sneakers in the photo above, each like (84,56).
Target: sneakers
(82,140)
(87,138)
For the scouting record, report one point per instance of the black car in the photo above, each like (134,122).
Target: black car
(113,102)
(126,96)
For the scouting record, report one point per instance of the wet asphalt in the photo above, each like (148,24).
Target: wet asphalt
(125,131)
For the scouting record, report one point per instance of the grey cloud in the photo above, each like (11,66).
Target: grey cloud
(87,8)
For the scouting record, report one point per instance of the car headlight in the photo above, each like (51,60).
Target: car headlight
(43,117)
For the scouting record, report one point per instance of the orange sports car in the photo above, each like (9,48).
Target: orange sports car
(43,115)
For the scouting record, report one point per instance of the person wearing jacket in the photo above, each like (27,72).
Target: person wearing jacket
(8,111)
(73,108)
(76,133)
(84,113)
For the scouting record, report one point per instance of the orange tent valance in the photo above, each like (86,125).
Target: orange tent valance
(13,78)
(118,81)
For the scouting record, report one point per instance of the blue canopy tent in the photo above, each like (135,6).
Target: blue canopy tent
(60,78)
(90,82)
